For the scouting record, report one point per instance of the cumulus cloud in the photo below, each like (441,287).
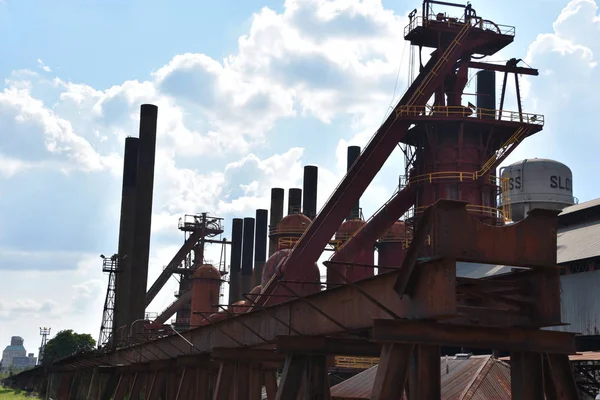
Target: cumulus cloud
(565,92)
(335,62)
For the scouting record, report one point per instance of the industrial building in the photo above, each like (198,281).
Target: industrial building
(462,257)
(15,356)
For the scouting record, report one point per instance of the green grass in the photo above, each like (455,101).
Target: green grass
(9,394)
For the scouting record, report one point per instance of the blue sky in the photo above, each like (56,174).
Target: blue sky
(248,92)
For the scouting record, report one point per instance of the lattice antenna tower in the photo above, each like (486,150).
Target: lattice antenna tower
(44,333)
(110,265)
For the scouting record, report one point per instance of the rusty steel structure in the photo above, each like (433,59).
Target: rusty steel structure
(444,214)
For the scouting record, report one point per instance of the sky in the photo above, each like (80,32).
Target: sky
(248,93)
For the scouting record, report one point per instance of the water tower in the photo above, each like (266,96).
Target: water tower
(536,183)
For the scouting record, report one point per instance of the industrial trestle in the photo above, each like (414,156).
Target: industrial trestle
(409,309)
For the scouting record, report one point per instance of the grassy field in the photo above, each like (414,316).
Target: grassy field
(9,394)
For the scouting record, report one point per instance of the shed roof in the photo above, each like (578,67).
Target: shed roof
(481,377)
(580,206)
(578,242)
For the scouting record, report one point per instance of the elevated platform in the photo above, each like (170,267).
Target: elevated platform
(435,30)
(503,123)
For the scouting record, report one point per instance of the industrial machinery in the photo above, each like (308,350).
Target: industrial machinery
(445,212)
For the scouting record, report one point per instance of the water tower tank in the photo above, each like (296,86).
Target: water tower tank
(537,183)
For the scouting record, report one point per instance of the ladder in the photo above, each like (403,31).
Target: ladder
(502,152)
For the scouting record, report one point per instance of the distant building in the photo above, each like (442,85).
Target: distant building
(16,356)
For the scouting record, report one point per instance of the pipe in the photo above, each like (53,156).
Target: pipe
(294,201)
(235,268)
(247,256)
(143,211)
(309,191)
(353,154)
(126,230)
(486,92)
(377,225)
(277,195)
(260,245)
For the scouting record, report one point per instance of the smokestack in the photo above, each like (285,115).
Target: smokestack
(294,201)
(247,256)
(353,153)
(277,195)
(235,269)
(143,211)
(126,228)
(260,244)
(309,199)
(486,92)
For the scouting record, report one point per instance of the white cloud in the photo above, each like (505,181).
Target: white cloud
(43,66)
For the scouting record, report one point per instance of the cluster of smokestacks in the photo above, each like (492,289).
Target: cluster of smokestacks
(136,220)
(249,235)
(248,254)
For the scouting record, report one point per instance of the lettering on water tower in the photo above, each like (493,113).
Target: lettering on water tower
(514,183)
(558,182)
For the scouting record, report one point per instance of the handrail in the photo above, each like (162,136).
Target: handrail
(483,24)
(460,176)
(462,111)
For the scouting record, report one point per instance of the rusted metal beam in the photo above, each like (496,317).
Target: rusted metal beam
(437,288)
(424,373)
(526,375)
(434,333)
(392,371)
(292,376)
(327,345)
(503,68)
(185,249)
(246,355)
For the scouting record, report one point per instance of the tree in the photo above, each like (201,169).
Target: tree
(66,343)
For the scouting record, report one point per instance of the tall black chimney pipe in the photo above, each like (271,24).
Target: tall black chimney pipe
(277,195)
(294,201)
(353,153)
(486,93)
(309,193)
(235,269)
(247,255)
(143,211)
(260,244)
(126,230)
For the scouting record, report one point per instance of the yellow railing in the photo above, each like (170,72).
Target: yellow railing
(462,111)
(452,176)
(515,138)
(355,362)
(505,200)
(481,24)
(287,242)
(289,231)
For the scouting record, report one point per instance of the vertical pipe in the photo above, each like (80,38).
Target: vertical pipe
(353,154)
(294,201)
(277,195)
(235,269)
(247,256)
(486,92)
(143,211)
(260,244)
(126,227)
(309,190)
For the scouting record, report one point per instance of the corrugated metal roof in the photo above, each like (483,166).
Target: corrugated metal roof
(483,377)
(580,206)
(578,241)
(581,356)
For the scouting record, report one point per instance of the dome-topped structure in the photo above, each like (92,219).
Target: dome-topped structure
(206,288)
(289,230)
(349,228)
(365,256)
